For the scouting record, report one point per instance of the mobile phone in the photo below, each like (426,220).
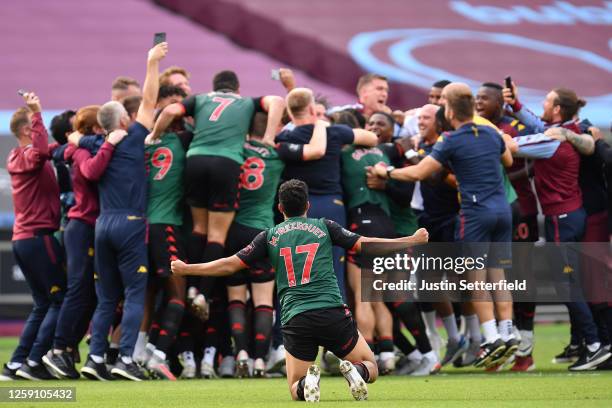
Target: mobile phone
(275,74)
(22,92)
(159,38)
(508,81)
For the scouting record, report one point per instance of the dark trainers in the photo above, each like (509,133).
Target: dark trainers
(589,360)
(8,374)
(95,371)
(61,365)
(490,352)
(570,354)
(128,371)
(36,373)
(606,365)
(511,347)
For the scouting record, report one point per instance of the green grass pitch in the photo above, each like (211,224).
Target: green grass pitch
(549,386)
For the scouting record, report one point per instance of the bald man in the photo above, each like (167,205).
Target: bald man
(474,152)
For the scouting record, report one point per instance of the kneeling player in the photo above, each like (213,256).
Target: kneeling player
(312,310)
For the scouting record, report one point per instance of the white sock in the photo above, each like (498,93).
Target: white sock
(473,327)
(450,324)
(592,347)
(415,356)
(126,359)
(33,363)
(526,335)
(13,365)
(160,355)
(505,330)
(188,357)
(209,355)
(113,345)
(141,342)
(430,322)
(96,359)
(431,356)
(387,355)
(490,331)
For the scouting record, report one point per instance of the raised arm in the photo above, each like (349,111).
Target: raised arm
(365,138)
(166,117)
(274,105)
(523,114)
(219,267)
(146,111)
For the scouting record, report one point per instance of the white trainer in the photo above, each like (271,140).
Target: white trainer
(312,391)
(357,385)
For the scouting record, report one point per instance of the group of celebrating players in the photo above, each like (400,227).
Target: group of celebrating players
(127,226)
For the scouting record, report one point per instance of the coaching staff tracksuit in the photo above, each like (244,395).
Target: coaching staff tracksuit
(38,253)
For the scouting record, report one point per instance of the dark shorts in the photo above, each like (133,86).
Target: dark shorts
(212,182)
(477,230)
(525,228)
(238,237)
(165,245)
(334,329)
(369,221)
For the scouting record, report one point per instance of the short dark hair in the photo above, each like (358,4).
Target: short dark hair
(132,103)
(441,83)
(569,103)
(345,117)
(389,118)
(166,91)
(226,80)
(493,85)
(60,125)
(442,124)
(293,196)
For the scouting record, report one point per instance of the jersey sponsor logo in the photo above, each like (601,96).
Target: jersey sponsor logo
(358,154)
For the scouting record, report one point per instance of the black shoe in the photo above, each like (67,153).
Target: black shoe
(590,360)
(606,365)
(511,346)
(129,371)
(61,365)
(8,374)
(76,355)
(570,354)
(111,356)
(37,373)
(490,352)
(95,371)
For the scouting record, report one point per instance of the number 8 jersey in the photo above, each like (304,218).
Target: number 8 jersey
(300,251)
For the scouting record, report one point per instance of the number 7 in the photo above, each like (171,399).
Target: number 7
(311,250)
(223,103)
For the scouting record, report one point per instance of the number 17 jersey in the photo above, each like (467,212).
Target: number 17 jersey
(300,251)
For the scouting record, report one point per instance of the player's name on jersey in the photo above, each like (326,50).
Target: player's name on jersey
(299,226)
(446,285)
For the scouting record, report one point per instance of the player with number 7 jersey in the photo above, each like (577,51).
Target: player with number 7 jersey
(312,310)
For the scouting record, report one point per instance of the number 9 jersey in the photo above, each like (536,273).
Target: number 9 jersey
(165,163)
(300,251)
